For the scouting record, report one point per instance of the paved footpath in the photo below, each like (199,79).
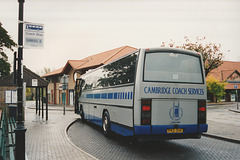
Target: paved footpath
(47,140)
(223,123)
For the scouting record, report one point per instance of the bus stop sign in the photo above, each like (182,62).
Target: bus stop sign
(235,86)
(34,35)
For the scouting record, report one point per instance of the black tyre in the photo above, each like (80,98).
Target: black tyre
(106,124)
(82,114)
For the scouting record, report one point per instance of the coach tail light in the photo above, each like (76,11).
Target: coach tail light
(146,112)
(202,111)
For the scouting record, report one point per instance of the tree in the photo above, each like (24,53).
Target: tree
(45,70)
(4,65)
(212,56)
(5,42)
(216,88)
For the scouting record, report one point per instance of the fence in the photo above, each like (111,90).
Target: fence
(7,137)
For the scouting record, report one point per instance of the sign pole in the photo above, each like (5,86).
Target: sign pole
(237,97)
(64,81)
(20,129)
(64,102)
(236,87)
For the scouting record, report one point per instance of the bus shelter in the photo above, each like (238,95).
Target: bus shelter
(30,80)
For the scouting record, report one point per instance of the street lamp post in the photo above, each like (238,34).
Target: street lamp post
(20,129)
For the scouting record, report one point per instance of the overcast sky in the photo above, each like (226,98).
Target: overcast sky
(75,29)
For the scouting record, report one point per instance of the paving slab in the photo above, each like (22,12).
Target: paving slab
(224,121)
(48,139)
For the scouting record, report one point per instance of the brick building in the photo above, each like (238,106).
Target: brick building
(229,72)
(75,68)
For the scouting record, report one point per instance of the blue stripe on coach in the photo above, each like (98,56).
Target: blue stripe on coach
(115,95)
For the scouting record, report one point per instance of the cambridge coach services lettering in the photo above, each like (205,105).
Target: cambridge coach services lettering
(195,91)
(157,90)
(175,90)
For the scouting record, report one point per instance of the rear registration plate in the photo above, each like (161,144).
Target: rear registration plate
(175,130)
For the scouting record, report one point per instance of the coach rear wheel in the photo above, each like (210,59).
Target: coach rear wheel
(82,114)
(106,124)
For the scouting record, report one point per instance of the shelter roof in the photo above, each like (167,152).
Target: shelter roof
(28,75)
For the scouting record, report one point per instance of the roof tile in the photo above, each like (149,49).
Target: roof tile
(223,72)
(94,60)
(55,72)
